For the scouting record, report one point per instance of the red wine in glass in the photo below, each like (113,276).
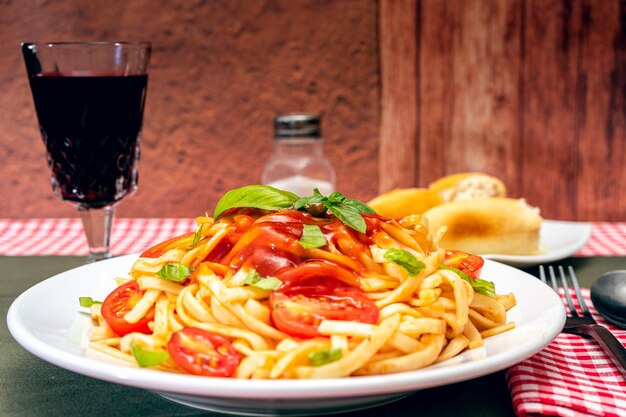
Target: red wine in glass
(90,126)
(89,98)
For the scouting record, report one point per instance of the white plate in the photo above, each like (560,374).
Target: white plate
(559,239)
(44,320)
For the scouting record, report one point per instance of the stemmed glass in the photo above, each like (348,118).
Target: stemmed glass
(89,98)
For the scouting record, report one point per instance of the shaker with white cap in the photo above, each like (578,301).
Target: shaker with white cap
(298,163)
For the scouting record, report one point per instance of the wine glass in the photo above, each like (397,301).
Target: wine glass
(89,98)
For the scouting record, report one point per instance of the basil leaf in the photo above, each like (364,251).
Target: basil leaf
(174,272)
(146,358)
(345,209)
(481,286)
(87,302)
(484,287)
(336,198)
(255,196)
(197,235)
(358,206)
(269,283)
(254,279)
(350,217)
(312,237)
(322,357)
(305,201)
(405,260)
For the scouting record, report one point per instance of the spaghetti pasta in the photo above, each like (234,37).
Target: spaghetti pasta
(246,297)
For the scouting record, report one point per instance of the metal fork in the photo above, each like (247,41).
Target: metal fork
(585,324)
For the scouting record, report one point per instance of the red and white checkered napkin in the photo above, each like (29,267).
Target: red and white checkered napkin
(607,239)
(66,236)
(572,376)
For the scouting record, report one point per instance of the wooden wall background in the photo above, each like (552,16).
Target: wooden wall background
(532,91)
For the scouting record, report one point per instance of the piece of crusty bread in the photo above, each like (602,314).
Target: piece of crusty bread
(488,225)
(468,186)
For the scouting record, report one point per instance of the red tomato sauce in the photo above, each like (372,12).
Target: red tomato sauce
(270,244)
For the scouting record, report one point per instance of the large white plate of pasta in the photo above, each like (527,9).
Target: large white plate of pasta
(45,320)
(289,310)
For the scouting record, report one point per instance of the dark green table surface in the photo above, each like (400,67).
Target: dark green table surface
(32,387)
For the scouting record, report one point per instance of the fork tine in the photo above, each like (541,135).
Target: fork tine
(555,286)
(542,274)
(568,297)
(579,296)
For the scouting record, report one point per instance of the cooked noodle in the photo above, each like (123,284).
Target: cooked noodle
(422,318)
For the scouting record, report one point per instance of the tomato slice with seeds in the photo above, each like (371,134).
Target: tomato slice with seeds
(315,271)
(299,310)
(466,262)
(119,302)
(199,352)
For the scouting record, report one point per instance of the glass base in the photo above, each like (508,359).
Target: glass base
(97,256)
(97,225)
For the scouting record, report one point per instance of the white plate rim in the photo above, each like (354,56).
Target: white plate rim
(580,232)
(286,389)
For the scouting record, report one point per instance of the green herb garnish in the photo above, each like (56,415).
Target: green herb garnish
(481,286)
(345,209)
(312,237)
(255,196)
(322,357)
(174,272)
(254,279)
(147,358)
(197,235)
(87,302)
(407,261)
(269,198)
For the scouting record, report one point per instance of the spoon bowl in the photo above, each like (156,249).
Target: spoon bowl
(608,294)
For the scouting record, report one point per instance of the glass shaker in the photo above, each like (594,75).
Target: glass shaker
(298,163)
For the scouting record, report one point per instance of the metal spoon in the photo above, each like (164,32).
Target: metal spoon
(608,295)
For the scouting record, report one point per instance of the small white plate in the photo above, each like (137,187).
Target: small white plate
(45,319)
(559,239)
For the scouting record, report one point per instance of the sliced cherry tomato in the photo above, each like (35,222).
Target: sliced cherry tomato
(160,248)
(317,270)
(200,352)
(468,263)
(120,302)
(299,310)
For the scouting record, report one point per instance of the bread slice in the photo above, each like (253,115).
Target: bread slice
(488,225)
(468,186)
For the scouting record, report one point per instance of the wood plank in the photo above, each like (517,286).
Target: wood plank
(549,115)
(439,23)
(468,89)
(398,67)
(601,102)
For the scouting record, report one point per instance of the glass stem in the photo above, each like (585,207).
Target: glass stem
(97,225)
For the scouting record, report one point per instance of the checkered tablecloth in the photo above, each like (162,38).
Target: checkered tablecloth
(572,376)
(607,239)
(66,237)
